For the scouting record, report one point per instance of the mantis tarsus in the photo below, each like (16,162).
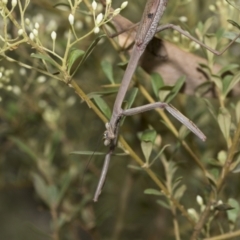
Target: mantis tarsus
(147,28)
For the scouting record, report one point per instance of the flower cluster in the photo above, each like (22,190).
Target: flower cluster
(101,18)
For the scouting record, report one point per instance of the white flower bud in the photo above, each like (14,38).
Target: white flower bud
(35,32)
(212,8)
(41,79)
(96,30)
(192,212)
(108,2)
(22,71)
(99,18)
(36,25)
(14,3)
(199,200)
(71,19)
(5,1)
(116,11)
(0,74)
(183,19)
(20,32)
(31,35)
(94,5)
(53,35)
(9,88)
(27,21)
(16,90)
(124,4)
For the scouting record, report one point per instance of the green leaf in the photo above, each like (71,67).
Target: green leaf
(207,24)
(62,6)
(203,88)
(235,166)
(230,83)
(164,92)
(89,51)
(232,35)
(134,167)
(206,68)
(25,148)
(163,204)
(211,41)
(52,192)
(228,68)
(176,182)
(41,188)
(102,93)
(103,106)
(73,56)
(183,132)
(53,146)
(148,135)
(130,97)
(218,81)
(160,152)
(211,108)
(225,84)
(152,191)
(123,65)
(44,57)
(214,162)
(177,87)
(234,213)
(172,167)
(157,83)
(65,186)
(147,150)
(224,121)
(180,191)
(108,70)
(212,180)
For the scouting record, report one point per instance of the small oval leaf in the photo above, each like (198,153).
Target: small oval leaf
(152,191)
(224,121)
(157,82)
(108,70)
(234,213)
(177,87)
(148,135)
(163,204)
(103,106)
(180,191)
(44,58)
(147,150)
(73,56)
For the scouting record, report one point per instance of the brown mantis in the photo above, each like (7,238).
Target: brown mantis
(147,28)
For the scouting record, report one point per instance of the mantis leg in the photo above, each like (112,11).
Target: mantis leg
(186,34)
(173,111)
